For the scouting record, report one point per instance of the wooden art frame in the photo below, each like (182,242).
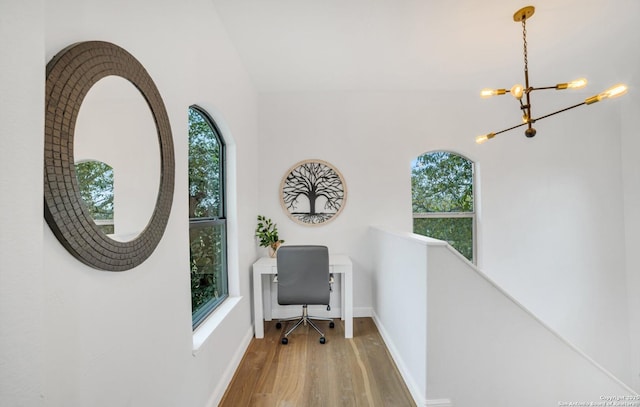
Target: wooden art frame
(313,192)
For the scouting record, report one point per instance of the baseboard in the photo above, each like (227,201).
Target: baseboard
(223,383)
(439,403)
(362,312)
(418,398)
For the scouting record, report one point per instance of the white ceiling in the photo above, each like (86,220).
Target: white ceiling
(311,45)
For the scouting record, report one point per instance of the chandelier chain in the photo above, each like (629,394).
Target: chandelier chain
(524,42)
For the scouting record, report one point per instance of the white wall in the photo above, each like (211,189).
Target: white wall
(76,336)
(553,229)
(631,179)
(551,220)
(21,210)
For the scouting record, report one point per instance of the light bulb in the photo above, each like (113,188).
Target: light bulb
(525,118)
(612,92)
(577,84)
(486,93)
(615,91)
(484,138)
(517,91)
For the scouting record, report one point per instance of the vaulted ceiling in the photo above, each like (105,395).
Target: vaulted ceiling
(312,45)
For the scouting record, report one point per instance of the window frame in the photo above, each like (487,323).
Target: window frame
(458,214)
(200,315)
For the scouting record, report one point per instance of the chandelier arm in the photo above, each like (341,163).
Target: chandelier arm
(510,128)
(559,111)
(539,118)
(543,88)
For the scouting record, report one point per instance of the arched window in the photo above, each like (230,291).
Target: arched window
(442,189)
(207,220)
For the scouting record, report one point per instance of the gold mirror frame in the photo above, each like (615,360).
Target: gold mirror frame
(70,75)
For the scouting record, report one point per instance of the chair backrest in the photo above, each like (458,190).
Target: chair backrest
(303,275)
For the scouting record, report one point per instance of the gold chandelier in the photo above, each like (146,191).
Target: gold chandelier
(519,92)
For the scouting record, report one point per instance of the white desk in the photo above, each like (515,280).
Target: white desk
(338,264)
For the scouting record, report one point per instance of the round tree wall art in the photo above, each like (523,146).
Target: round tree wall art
(313,192)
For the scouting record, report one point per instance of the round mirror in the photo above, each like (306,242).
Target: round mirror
(71,74)
(114,131)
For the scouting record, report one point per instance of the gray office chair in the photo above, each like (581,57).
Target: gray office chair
(303,279)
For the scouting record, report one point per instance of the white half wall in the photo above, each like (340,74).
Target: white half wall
(480,347)
(400,304)
(484,349)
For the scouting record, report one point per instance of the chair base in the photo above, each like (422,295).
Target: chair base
(304,320)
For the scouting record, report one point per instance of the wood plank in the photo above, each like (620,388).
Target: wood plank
(343,372)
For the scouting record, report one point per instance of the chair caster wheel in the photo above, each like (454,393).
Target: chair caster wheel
(284,341)
(323,340)
(278,325)
(331,324)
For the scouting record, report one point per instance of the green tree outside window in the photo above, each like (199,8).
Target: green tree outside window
(207,222)
(443,199)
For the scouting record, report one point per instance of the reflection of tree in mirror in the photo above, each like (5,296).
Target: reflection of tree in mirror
(315,182)
(204,168)
(95,180)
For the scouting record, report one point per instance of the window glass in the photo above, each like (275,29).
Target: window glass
(443,199)
(207,222)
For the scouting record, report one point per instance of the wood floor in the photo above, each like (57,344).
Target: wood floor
(304,373)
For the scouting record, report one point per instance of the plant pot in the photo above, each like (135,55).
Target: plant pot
(273,249)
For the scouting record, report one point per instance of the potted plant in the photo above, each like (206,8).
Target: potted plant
(267,233)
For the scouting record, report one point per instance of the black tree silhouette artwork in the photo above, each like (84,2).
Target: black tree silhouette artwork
(313,192)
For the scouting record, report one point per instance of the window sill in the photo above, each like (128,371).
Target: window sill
(204,331)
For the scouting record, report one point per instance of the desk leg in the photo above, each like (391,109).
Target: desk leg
(266,296)
(258,322)
(348,304)
(342,290)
